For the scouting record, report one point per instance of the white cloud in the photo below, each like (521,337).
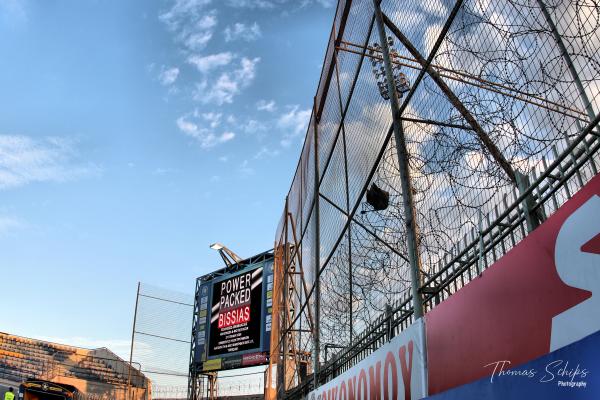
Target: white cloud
(254,127)
(206,137)
(191,23)
(168,76)
(264,152)
(187,127)
(198,40)
(293,124)
(223,158)
(247,69)
(181,9)
(241,31)
(228,84)
(210,62)
(222,91)
(25,160)
(435,7)
(250,3)
(226,137)
(264,105)
(207,21)
(327,3)
(214,119)
(292,5)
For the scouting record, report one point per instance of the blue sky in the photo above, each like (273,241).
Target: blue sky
(132,135)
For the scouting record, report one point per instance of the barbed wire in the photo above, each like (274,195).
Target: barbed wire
(528,72)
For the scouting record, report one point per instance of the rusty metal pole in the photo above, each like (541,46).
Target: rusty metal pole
(284,354)
(212,386)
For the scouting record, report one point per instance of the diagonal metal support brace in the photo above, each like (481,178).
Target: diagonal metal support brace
(455,101)
(534,218)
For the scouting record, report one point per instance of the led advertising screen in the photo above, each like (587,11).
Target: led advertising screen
(233,325)
(236,311)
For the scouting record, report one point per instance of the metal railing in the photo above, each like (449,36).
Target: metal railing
(565,174)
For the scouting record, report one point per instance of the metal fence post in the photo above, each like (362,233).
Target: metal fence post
(407,196)
(388,322)
(532,218)
(137,297)
(194,378)
(317,251)
(563,49)
(480,229)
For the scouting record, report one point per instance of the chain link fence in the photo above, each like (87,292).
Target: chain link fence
(161,339)
(500,121)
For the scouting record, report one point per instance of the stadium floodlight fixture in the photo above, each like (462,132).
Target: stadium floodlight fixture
(216,246)
(401,82)
(229,257)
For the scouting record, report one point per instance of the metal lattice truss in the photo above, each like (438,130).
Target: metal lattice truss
(477,117)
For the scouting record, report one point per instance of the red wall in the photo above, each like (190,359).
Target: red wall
(506,314)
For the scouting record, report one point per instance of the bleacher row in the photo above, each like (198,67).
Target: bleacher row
(22,358)
(91,369)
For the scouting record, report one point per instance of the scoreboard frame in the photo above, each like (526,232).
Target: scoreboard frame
(245,292)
